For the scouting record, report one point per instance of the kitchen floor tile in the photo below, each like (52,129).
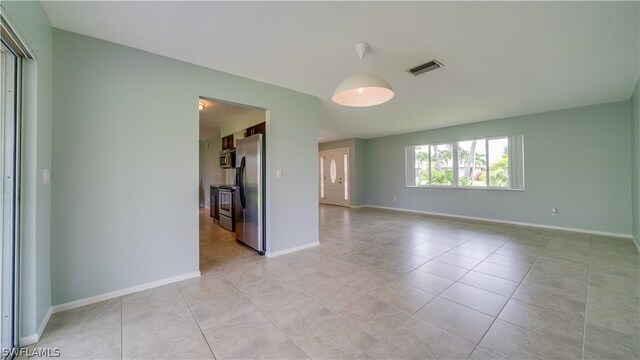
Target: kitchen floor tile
(381,285)
(501,271)
(459,320)
(382,351)
(483,354)
(231,339)
(513,342)
(481,300)
(541,321)
(201,288)
(469,252)
(332,338)
(444,270)
(568,306)
(220,308)
(400,295)
(457,260)
(418,339)
(489,283)
(430,283)
(372,315)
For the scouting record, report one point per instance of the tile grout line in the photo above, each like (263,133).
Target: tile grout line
(196,321)
(538,257)
(359,291)
(312,298)
(437,295)
(536,306)
(454,281)
(586,307)
(467,270)
(509,299)
(445,289)
(267,316)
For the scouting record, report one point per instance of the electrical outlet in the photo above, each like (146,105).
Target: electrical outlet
(554,211)
(395,199)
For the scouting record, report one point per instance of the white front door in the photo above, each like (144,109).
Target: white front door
(334,177)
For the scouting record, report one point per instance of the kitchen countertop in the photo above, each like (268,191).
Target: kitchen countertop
(224,187)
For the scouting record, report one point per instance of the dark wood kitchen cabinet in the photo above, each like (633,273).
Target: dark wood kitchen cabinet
(227,142)
(256,129)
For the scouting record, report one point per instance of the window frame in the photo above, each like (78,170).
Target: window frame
(454,146)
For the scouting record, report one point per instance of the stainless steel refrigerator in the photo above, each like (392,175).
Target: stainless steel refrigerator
(250,192)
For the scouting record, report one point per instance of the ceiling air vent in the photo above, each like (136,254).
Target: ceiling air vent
(421,69)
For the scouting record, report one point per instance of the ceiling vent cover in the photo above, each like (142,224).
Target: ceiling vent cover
(421,69)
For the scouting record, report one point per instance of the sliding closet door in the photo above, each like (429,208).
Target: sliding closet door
(9,187)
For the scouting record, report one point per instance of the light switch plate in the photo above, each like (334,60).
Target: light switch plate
(278,174)
(46,176)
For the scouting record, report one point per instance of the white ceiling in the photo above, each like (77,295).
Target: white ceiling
(216,113)
(501,58)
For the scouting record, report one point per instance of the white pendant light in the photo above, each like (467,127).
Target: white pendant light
(362,89)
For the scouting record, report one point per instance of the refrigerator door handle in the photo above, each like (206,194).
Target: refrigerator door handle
(243,201)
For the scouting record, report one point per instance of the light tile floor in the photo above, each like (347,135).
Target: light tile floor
(381,285)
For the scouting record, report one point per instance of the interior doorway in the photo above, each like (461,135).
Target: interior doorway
(334,177)
(232,182)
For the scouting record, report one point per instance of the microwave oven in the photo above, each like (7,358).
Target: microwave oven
(227,159)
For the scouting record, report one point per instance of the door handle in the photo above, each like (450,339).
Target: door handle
(242,183)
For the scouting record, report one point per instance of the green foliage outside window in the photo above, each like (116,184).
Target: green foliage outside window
(499,172)
(444,177)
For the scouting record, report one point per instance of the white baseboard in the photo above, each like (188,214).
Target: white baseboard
(34,338)
(44,322)
(357,206)
(594,232)
(28,340)
(122,292)
(293,249)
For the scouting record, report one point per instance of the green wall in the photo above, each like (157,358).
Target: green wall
(125,155)
(360,187)
(357,186)
(35,297)
(577,160)
(210,171)
(635,155)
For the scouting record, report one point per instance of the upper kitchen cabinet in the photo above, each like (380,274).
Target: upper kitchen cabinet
(256,129)
(228,143)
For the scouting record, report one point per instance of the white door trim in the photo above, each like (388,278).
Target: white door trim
(347,177)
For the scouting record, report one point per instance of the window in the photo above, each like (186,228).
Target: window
(472,163)
(494,163)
